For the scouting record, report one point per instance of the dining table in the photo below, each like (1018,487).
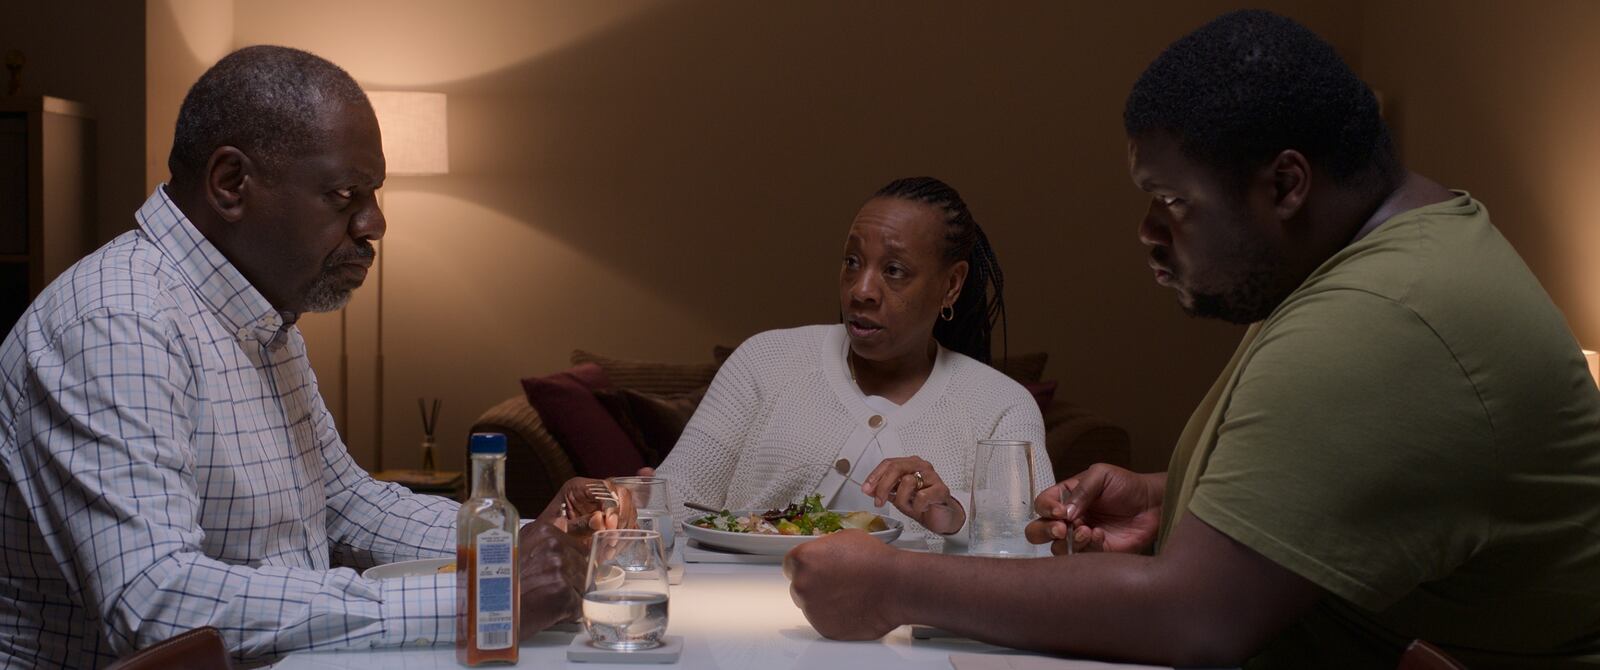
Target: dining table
(731,616)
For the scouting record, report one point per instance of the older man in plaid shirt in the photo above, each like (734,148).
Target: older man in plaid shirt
(166,461)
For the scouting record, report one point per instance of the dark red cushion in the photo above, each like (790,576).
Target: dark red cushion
(1043,393)
(653,421)
(567,406)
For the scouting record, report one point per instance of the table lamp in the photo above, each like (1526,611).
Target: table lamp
(416,143)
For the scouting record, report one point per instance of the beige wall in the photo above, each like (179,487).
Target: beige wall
(649,178)
(90,51)
(1503,99)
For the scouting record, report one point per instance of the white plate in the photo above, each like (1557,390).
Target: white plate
(418,568)
(430,566)
(771,545)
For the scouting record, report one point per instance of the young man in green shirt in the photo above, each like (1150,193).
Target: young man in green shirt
(1405,445)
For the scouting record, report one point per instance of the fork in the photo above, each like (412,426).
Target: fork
(841,466)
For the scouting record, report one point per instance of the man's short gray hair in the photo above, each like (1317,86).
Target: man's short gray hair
(263,100)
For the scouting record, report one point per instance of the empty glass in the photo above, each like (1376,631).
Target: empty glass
(650,502)
(1002,499)
(629,614)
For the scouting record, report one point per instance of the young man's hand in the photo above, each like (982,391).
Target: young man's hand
(844,584)
(1103,508)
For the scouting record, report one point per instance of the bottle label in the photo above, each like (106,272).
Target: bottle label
(496,597)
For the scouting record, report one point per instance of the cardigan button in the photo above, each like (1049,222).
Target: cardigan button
(875,422)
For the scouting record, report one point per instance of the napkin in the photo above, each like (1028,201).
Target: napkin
(1003,662)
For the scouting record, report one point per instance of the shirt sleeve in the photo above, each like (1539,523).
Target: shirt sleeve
(1351,435)
(701,466)
(372,522)
(108,471)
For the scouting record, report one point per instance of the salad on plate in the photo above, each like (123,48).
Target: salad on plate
(807,517)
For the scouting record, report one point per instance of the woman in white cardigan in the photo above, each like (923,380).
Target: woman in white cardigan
(898,395)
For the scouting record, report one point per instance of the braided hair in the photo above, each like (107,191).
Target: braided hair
(982,299)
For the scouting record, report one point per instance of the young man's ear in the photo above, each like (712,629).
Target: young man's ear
(1291,182)
(228,178)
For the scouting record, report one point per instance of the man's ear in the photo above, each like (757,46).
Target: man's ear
(1291,182)
(228,178)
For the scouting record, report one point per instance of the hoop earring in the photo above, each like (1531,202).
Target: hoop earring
(947,313)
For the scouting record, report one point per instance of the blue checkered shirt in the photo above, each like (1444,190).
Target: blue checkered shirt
(166,462)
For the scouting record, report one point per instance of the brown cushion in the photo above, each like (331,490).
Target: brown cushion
(650,377)
(1025,368)
(654,421)
(1043,393)
(567,406)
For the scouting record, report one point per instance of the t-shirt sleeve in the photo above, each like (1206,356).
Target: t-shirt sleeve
(1353,450)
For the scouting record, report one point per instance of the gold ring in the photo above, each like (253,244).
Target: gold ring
(921,484)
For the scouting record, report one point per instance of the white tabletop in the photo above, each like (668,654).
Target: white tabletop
(732,617)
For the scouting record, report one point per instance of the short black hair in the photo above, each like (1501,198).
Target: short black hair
(265,101)
(982,301)
(1250,84)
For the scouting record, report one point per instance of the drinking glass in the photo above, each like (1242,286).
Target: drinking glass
(650,502)
(630,615)
(1002,499)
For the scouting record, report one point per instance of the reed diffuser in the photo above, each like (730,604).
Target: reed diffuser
(430,421)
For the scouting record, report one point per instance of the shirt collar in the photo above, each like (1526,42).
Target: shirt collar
(218,283)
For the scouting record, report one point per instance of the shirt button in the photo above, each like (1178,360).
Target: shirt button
(875,422)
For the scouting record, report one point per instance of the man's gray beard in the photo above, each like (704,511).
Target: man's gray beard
(324,296)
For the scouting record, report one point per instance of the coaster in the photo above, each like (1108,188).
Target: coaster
(580,651)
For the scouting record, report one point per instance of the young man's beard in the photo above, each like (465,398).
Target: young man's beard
(1251,294)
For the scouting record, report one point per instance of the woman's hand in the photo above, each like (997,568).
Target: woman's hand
(911,484)
(1104,508)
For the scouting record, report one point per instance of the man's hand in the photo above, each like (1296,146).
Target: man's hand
(1105,508)
(842,584)
(579,508)
(553,565)
(554,550)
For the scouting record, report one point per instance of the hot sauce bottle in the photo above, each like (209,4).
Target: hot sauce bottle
(488,589)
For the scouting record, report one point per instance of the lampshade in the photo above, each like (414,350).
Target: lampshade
(416,141)
(1594,364)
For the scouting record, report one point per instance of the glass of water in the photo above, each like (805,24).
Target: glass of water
(631,614)
(1002,499)
(650,501)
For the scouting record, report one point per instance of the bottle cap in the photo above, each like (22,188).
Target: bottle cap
(487,443)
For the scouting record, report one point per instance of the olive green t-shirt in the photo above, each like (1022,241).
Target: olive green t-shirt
(1414,430)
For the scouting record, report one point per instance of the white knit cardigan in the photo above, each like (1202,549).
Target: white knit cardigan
(783,409)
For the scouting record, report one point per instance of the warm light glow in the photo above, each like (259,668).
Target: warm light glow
(416,141)
(1594,365)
